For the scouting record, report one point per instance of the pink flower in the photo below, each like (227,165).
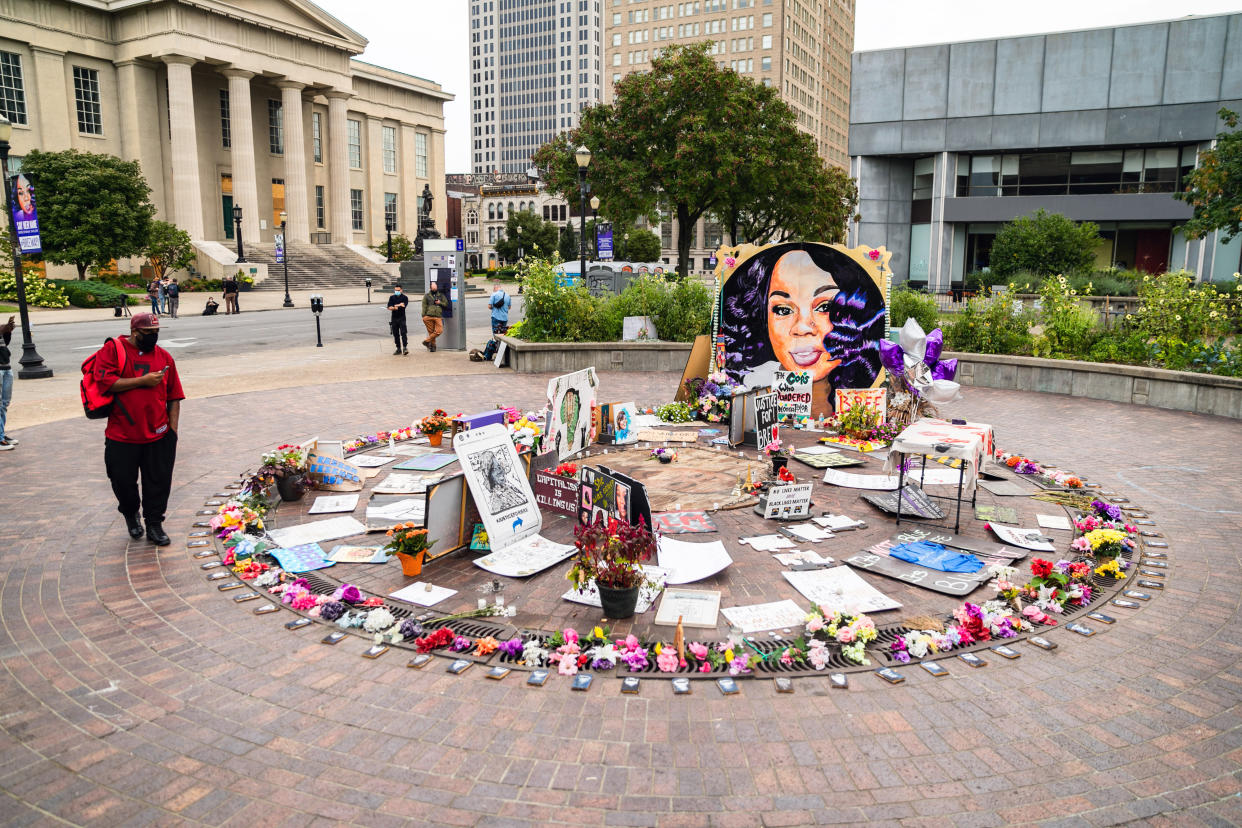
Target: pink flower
(698,650)
(667,661)
(730,261)
(567,667)
(845,635)
(815,624)
(571,635)
(705,667)
(631,642)
(874,255)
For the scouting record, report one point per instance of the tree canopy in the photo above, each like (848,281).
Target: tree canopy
(168,248)
(1045,244)
(1214,187)
(537,237)
(702,140)
(92,208)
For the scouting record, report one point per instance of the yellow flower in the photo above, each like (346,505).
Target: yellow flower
(597,633)
(729,654)
(658,648)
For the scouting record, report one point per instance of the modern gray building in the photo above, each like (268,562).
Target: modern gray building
(948,142)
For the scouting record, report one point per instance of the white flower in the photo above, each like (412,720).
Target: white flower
(378,620)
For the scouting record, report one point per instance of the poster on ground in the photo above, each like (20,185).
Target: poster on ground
(570,400)
(498,485)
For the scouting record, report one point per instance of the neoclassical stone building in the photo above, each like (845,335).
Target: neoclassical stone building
(260,104)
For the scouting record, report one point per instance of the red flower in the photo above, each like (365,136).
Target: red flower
(1041,568)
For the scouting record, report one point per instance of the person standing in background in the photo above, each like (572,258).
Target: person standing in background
(434,303)
(500,304)
(400,336)
(7,443)
(174,297)
(230,289)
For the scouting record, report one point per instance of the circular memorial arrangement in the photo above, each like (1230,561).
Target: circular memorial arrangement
(835,587)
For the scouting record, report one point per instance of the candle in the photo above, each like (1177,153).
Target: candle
(482,603)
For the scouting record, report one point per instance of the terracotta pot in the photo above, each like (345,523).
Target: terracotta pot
(618,603)
(436,438)
(411,564)
(291,487)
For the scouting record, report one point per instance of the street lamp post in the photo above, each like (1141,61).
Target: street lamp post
(237,216)
(595,225)
(521,249)
(582,156)
(31,362)
(388,227)
(284,254)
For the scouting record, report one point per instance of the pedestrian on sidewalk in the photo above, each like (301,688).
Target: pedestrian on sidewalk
(500,304)
(230,295)
(163,287)
(434,303)
(7,443)
(153,293)
(141,437)
(174,297)
(400,336)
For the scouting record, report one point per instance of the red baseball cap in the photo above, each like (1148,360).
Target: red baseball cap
(143,320)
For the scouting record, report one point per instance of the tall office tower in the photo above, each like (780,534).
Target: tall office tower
(800,47)
(534,65)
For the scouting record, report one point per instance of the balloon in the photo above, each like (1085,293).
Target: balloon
(915,356)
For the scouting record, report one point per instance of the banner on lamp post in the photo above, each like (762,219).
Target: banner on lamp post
(280,248)
(25,215)
(603,242)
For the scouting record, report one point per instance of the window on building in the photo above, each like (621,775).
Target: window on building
(713,235)
(390,149)
(355,209)
(1095,172)
(226,133)
(12,88)
(86,100)
(765,63)
(767,20)
(275,127)
(390,211)
(317,138)
(420,155)
(923,177)
(472,217)
(319,207)
(766,41)
(491,212)
(354,134)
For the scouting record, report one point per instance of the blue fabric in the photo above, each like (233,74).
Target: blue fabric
(500,314)
(936,556)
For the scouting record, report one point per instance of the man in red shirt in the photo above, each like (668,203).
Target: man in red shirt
(141,437)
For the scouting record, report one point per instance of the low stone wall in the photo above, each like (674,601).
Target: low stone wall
(1178,390)
(564,357)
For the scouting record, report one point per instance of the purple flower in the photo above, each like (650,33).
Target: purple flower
(1106,510)
(348,593)
(331,610)
(410,628)
(636,659)
(461,644)
(512,648)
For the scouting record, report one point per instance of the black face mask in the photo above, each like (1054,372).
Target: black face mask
(146,341)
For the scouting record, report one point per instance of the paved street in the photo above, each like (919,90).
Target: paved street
(132,692)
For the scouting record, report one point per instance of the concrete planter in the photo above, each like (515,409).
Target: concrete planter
(1177,390)
(564,357)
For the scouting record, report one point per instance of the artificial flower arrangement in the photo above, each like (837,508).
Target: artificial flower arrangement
(1019,464)
(611,553)
(1063,478)
(664,455)
(235,516)
(784,475)
(971,624)
(825,628)
(364,441)
(775,448)
(1103,544)
(525,430)
(435,423)
(567,470)
(1052,587)
(713,396)
(1089,523)
(675,412)
(285,460)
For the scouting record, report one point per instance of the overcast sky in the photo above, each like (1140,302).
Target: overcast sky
(430,38)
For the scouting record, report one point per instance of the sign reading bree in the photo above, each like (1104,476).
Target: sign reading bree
(766,417)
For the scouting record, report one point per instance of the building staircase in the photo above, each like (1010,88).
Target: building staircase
(316,266)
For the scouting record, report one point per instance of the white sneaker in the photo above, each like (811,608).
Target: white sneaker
(7,446)
(12,441)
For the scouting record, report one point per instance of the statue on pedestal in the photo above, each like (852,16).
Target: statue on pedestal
(426,224)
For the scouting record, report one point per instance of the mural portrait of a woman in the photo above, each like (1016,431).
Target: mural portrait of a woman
(802,307)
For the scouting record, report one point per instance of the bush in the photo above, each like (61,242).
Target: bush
(906,303)
(1069,329)
(40,292)
(93,294)
(1127,347)
(1174,309)
(991,325)
(193,285)
(1045,244)
(557,312)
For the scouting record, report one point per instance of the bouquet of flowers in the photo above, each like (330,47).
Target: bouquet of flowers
(566,470)
(675,412)
(525,431)
(858,422)
(852,632)
(775,449)
(1063,478)
(1020,464)
(234,516)
(1055,585)
(285,460)
(1103,543)
(973,623)
(436,423)
(407,539)
(713,396)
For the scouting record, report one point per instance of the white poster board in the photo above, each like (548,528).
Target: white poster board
(647,593)
(689,562)
(772,616)
(498,485)
(695,607)
(840,588)
(793,393)
(788,501)
(638,328)
(316,531)
(531,554)
(1023,538)
(570,400)
(877,482)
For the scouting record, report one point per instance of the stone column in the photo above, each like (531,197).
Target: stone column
(338,167)
(241,130)
(187,192)
(297,197)
(57,115)
(375,181)
(141,135)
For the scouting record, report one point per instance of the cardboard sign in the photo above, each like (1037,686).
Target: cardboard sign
(793,392)
(605,493)
(500,489)
(570,400)
(874,399)
(615,423)
(876,559)
(556,494)
(332,474)
(766,418)
(788,501)
(914,503)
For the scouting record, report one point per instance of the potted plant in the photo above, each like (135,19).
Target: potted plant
(612,554)
(409,543)
(244,282)
(778,454)
(858,422)
(287,464)
(569,471)
(435,425)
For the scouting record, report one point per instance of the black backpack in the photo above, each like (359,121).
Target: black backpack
(489,350)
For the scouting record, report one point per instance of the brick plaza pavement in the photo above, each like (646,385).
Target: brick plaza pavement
(134,693)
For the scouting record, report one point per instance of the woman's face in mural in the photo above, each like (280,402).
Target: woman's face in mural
(800,301)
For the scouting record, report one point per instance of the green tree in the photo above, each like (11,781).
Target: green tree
(168,248)
(685,133)
(1045,244)
(92,208)
(568,247)
(537,237)
(402,248)
(638,245)
(1214,188)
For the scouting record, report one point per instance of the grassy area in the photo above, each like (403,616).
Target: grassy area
(7,309)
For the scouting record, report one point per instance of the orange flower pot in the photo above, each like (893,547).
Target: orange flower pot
(411,564)
(435,439)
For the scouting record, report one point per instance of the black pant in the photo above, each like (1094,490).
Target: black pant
(400,336)
(124,461)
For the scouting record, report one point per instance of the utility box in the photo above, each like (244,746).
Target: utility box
(446,266)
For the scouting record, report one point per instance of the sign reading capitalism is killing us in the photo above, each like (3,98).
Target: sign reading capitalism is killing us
(803,306)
